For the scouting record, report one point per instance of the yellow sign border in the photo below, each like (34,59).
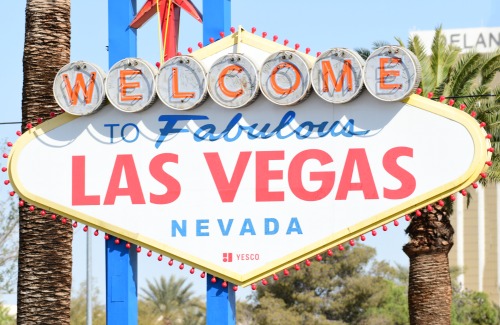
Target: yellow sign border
(481,155)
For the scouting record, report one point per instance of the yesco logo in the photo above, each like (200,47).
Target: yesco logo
(233,81)
(228,257)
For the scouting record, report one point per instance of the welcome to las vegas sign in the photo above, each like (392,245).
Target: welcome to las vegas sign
(189,160)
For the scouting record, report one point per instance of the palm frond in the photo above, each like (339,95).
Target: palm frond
(491,67)
(363,52)
(451,55)
(401,43)
(486,100)
(439,89)
(378,44)
(418,49)
(463,73)
(442,59)
(474,97)
(436,60)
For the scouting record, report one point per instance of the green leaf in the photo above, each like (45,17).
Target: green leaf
(490,67)
(463,73)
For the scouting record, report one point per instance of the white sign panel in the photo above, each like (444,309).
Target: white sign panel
(262,184)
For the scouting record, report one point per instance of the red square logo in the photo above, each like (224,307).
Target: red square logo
(227,257)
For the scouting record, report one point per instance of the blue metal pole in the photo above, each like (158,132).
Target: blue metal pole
(121,263)
(122,38)
(216,19)
(221,303)
(121,284)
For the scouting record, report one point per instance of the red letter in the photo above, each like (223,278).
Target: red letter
(407,180)
(326,66)
(263,175)
(172,185)
(133,189)
(366,183)
(222,85)
(124,85)
(327,178)
(175,87)
(78,184)
(79,84)
(227,188)
(275,85)
(388,73)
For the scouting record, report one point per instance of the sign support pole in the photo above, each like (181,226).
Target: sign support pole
(221,302)
(121,263)
(216,19)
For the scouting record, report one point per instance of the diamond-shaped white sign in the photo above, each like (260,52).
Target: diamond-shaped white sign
(243,193)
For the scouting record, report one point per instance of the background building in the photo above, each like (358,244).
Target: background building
(483,40)
(477,245)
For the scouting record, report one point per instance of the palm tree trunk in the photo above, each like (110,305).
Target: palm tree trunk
(45,260)
(429,290)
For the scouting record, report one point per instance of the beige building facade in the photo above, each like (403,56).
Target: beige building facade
(477,248)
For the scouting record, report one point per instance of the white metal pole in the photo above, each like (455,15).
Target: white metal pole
(481,236)
(460,239)
(89,278)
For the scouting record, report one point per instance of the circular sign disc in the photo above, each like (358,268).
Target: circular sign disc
(79,88)
(232,81)
(130,85)
(181,83)
(392,73)
(284,78)
(337,75)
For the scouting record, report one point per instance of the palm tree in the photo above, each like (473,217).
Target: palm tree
(45,261)
(172,302)
(465,78)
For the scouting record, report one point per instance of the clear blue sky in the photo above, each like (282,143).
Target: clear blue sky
(320,25)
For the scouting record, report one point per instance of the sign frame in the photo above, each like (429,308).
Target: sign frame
(477,166)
